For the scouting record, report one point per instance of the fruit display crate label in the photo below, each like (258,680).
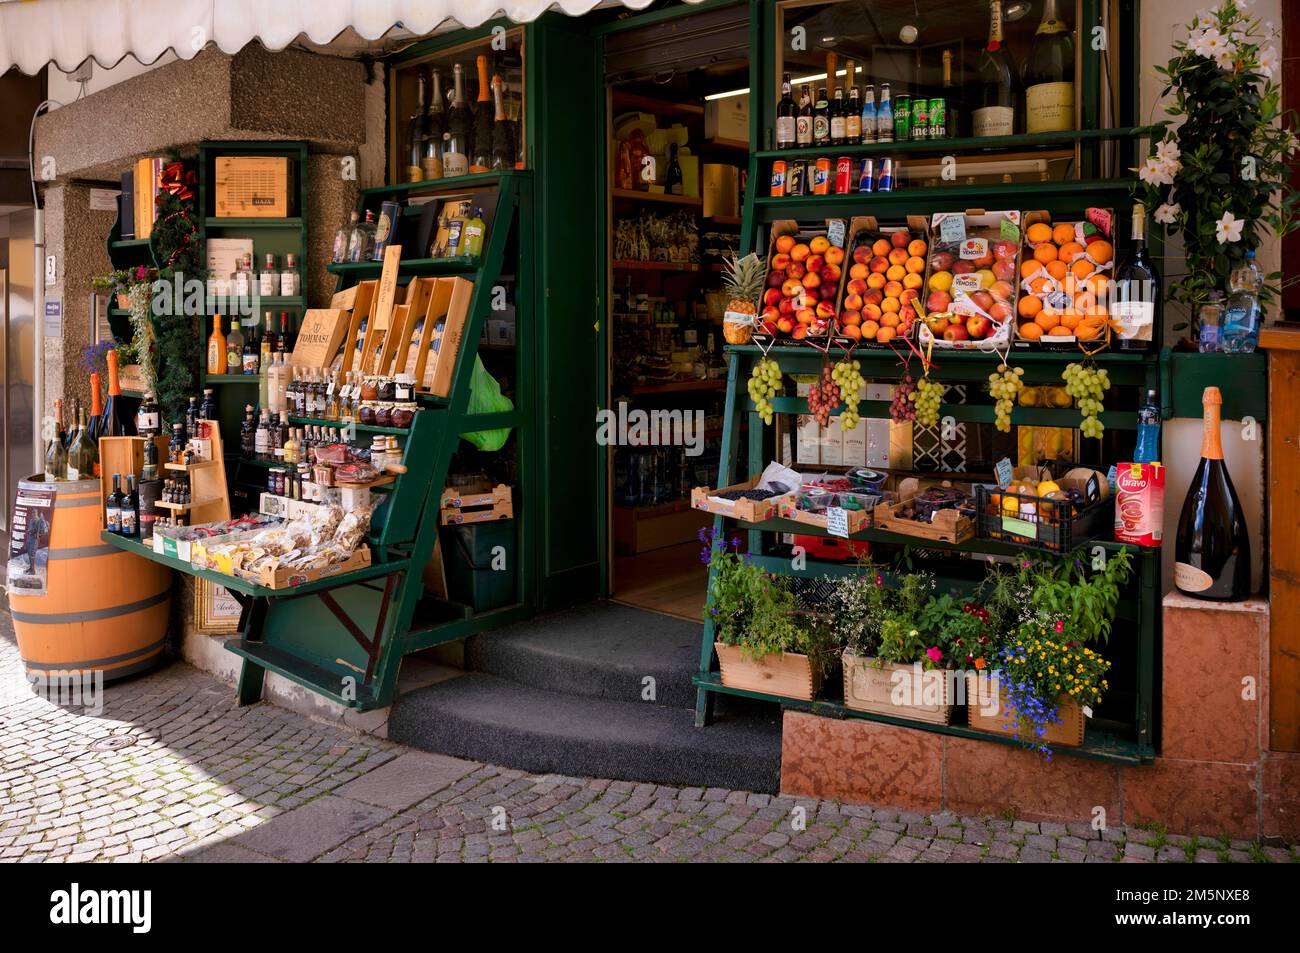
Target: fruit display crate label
(750,511)
(1064,281)
(970,281)
(884,277)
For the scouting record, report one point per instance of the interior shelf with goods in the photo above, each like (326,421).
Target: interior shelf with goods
(1063,174)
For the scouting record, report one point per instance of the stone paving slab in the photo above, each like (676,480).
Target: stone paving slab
(406,780)
(309,831)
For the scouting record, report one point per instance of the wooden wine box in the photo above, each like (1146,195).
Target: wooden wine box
(124,456)
(253,186)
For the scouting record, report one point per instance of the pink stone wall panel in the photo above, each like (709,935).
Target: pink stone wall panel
(985,778)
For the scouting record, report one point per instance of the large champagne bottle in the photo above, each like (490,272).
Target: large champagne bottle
(1049,75)
(113,423)
(1212,552)
(995,103)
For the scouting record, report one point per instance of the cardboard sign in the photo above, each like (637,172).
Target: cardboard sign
(837,522)
(320,336)
(30,524)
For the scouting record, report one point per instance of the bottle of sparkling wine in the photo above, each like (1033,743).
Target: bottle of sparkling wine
(1049,75)
(1212,552)
(995,99)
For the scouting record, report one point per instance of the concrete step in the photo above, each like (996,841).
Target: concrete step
(486,718)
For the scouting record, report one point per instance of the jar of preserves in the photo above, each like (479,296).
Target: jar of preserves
(404,414)
(384,413)
(387,389)
(367,413)
(370,388)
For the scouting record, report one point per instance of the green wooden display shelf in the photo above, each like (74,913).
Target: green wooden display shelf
(1026,141)
(340,424)
(455,265)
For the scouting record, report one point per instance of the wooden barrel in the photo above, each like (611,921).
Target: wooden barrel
(104,610)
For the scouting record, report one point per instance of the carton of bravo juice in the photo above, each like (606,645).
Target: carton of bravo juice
(1139,503)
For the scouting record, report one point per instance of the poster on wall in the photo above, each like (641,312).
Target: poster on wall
(30,525)
(216,610)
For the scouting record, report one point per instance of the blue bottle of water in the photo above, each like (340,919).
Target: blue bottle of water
(1148,431)
(1242,318)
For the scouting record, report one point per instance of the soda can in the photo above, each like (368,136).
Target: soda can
(920,118)
(843,175)
(867,175)
(821,184)
(887,172)
(778,178)
(902,117)
(938,118)
(795,175)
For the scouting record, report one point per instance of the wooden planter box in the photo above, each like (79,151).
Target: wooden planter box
(869,686)
(784,673)
(1068,732)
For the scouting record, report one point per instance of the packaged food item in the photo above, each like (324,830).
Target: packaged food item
(1140,503)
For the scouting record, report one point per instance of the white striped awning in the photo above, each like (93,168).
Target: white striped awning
(34,33)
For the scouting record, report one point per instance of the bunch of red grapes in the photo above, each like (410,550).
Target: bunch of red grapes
(902,410)
(824,397)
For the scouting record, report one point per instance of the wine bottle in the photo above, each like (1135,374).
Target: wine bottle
(503,147)
(112,422)
(113,506)
(455,141)
(1135,305)
(234,347)
(786,117)
(96,407)
(484,116)
(83,454)
(1212,552)
(995,105)
(415,126)
(56,451)
(1049,75)
(435,124)
(673,179)
(131,508)
(953,127)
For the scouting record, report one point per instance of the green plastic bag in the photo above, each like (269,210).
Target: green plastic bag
(485,397)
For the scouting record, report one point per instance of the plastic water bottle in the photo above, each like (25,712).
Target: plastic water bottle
(1242,319)
(1148,430)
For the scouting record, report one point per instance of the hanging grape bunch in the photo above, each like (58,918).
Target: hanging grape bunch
(1005,385)
(824,396)
(901,408)
(1088,387)
(848,377)
(764,382)
(926,399)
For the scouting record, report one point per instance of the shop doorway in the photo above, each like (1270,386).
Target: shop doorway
(677,128)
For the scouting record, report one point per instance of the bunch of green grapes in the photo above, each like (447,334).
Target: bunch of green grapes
(1006,386)
(926,397)
(1088,387)
(847,374)
(764,383)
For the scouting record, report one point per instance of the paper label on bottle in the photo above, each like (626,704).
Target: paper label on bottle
(455,163)
(1134,320)
(1190,579)
(1049,107)
(994,121)
(146,423)
(785,129)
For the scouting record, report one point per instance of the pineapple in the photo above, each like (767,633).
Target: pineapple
(743,279)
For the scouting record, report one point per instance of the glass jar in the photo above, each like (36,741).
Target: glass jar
(405,388)
(370,388)
(404,414)
(387,389)
(367,414)
(384,413)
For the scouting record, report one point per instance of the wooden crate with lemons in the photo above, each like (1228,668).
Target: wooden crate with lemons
(1066,269)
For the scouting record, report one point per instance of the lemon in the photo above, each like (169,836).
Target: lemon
(1046,487)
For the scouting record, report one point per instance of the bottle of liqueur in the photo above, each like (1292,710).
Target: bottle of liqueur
(248,434)
(435,124)
(56,451)
(787,135)
(869,113)
(415,135)
(455,141)
(995,105)
(268,339)
(885,116)
(853,110)
(234,347)
(472,234)
(252,351)
(1212,551)
(803,120)
(149,470)
(284,341)
(484,116)
(503,147)
(208,406)
(112,423)
(262,442)
(147,419)
(217,354)
(1049,75)
(1135,301)
(673,183)
(821,119)
(113,506)
(83,453)
(131,508)
(361,244)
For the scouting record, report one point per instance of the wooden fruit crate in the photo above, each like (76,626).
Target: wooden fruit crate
(788,508)
(455,508)
(1068,732)
(869,686)
(750,511)
(949,526)
(784,673)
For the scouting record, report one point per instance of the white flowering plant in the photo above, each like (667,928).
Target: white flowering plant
(1219,165)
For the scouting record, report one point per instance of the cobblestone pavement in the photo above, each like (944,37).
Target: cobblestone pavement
(205,780)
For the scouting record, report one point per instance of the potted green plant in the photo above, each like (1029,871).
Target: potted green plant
(1219,172)
(1042,689)
(896,659)
(764,643)
(116,283)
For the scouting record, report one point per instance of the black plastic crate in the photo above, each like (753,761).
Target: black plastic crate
(1055,526)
